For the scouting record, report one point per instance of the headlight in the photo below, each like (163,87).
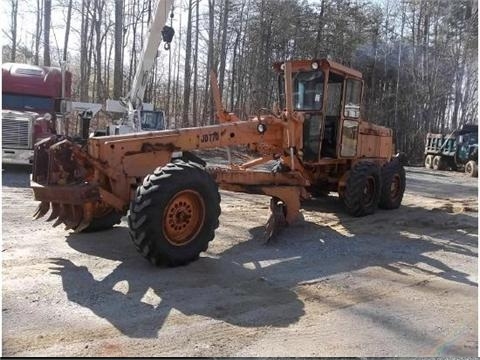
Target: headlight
(314,65)
(261,128)
(47,116)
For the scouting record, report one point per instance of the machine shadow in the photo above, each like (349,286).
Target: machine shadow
(252,285)
(210,287)
(348,243)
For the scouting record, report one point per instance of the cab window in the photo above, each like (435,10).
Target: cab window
(353,93)
(308,90)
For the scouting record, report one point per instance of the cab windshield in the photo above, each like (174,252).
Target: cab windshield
(307,90)
(152,120)
(27,103)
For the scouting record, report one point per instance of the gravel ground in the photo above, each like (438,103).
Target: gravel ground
(397,283)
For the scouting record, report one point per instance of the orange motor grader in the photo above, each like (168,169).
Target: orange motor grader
(318,143)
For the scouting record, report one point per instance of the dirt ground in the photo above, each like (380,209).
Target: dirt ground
(397,283)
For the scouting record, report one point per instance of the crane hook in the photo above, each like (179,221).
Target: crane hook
(167,35)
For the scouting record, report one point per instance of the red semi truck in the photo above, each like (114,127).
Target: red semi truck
(32,102)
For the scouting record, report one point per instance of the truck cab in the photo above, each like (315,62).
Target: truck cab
(457,150)
(31,99)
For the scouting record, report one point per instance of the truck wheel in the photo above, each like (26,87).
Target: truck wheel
(362,190)
(174,214)
(103,222)
(429,161)
(438,163)
(471,168)
(393,185)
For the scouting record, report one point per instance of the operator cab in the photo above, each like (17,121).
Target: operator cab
(328,95)
(152,120)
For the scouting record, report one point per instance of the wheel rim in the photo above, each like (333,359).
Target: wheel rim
(395,187)
(369,191)
(469,168)
(183,217)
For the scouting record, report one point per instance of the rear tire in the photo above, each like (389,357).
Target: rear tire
(393,185)
(174,214)
(429,161)
(362,191)
(438,163)
(471,168)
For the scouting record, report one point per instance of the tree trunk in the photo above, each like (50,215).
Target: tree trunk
(14,13)
(84,62)
(187,73)
(223,50)
(118,63)
(177,76)
(208,98)
(46,32)
(195,66)
(38,32)
(99,5)
(67,30)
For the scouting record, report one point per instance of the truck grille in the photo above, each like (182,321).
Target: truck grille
(16,130)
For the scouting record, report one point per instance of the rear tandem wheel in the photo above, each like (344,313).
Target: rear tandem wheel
(429,161)
(393,185)
(362,191)
(438,163)
(174,214)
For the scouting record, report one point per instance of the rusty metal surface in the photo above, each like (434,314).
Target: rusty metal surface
(103,173)
(224,176)
(68,194)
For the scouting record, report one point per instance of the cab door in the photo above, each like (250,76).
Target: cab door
(350,118)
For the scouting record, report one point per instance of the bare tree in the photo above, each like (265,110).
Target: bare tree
(208,99)
(99,37)
(223,49)
(38,31)
(67,30)
(84,50)
(46,32)
(118,66)
(13,29)
(188,72)
(195,65)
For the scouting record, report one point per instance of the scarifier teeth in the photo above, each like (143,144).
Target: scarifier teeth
(41,210)
(61,216)
(73,217)
(83,225)
(55,212)
(70,215)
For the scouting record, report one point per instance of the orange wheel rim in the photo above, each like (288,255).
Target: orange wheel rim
(183,217)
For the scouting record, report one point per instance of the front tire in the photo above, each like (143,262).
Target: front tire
(174,214)
(362,190)
(471,168)
(393,185)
